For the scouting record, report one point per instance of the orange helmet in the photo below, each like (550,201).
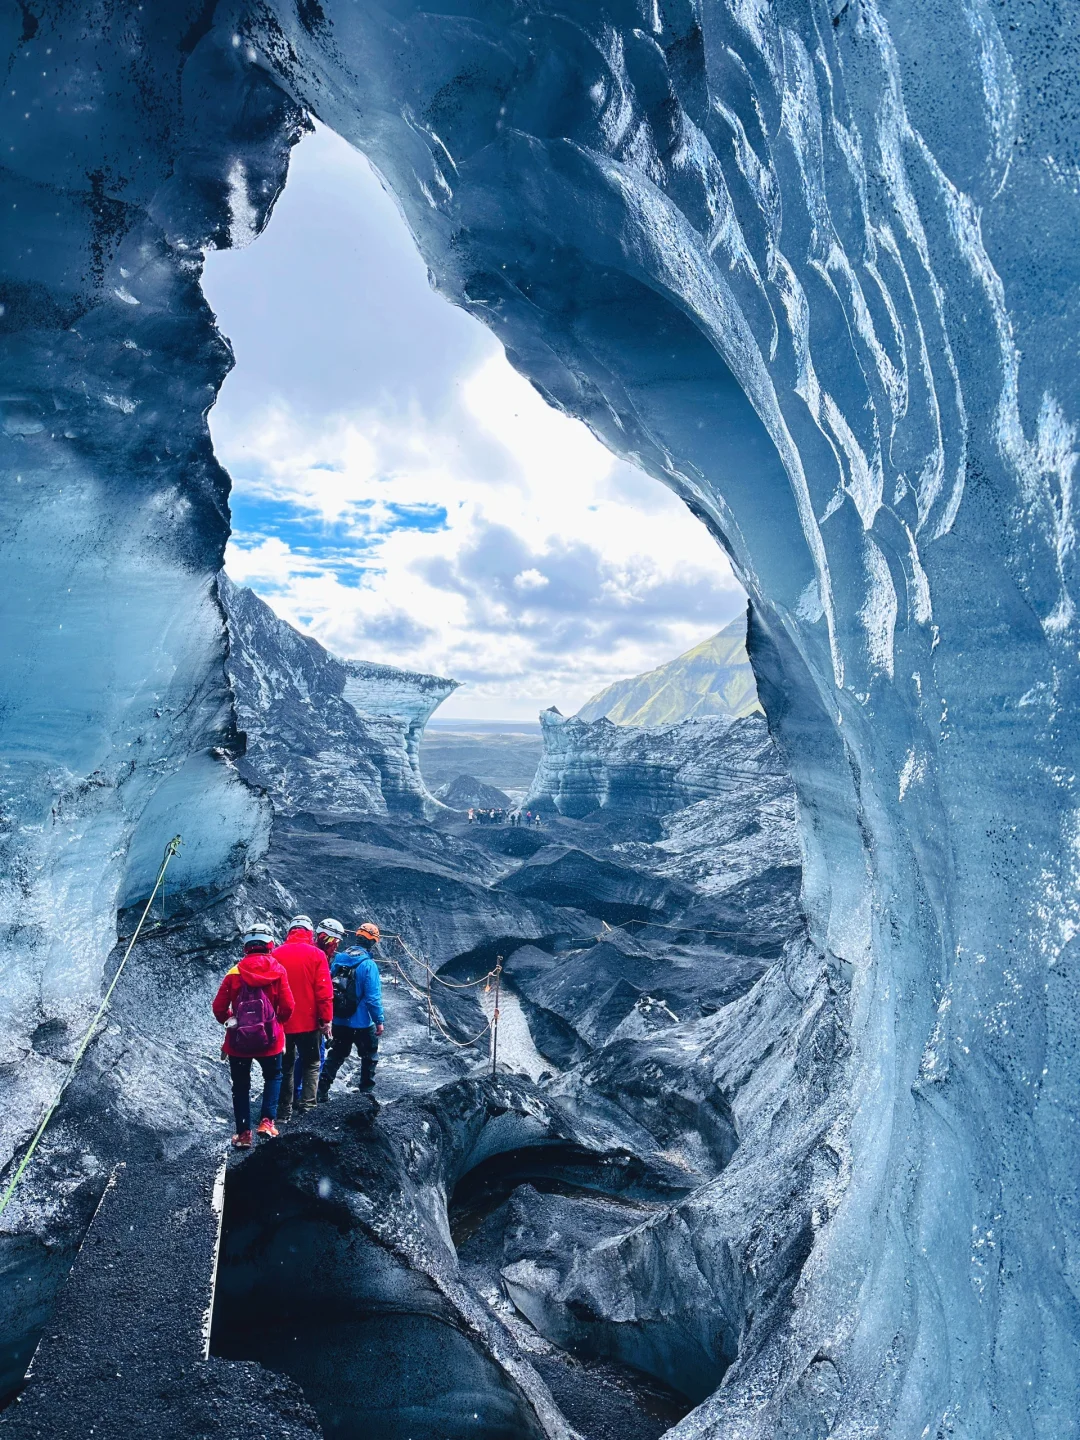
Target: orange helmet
(369,931)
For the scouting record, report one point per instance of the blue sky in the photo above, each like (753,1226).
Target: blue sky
(401,493)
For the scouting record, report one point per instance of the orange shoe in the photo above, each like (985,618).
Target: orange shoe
(243,1141)
(266,1129)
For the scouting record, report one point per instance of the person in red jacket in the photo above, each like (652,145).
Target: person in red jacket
(253,1002)
(309,978)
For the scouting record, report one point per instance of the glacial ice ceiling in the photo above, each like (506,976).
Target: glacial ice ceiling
(812,265)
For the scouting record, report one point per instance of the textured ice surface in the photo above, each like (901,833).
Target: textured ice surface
(331,737)
(591,765)
(813,266)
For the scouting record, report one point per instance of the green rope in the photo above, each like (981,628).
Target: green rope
(170,851)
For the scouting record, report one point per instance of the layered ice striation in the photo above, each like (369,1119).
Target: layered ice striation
(595,765)
(812,266)
(331,737)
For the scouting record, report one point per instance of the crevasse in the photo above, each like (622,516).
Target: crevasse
(814,267)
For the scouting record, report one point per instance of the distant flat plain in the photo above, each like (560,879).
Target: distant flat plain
(500,753)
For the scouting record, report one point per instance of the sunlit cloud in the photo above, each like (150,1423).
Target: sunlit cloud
(450,521)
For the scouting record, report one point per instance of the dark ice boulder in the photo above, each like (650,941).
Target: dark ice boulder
(575,878)
(467,792)
(582,999)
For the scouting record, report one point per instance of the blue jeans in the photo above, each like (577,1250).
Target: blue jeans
(240,1070)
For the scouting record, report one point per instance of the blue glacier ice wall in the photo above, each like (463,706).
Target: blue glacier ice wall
(327,736)
(115,512)
(811,263)
(596,765)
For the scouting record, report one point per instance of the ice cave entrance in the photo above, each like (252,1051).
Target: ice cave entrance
(400,492)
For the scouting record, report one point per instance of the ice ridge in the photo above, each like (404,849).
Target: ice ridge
(813,267)
(327,736)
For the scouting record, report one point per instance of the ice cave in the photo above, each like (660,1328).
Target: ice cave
(810,264)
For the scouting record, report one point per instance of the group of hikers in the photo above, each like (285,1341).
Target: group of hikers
(298,1009)
(503,817)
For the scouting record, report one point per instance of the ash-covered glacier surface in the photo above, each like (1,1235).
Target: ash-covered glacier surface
(151,1089)
(338,737)
(814,267)
(467,1213)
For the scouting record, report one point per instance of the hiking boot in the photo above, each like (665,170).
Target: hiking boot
(243,1140)
(322,1096)
(266,1129)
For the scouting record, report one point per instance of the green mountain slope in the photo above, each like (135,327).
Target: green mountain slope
(712,679)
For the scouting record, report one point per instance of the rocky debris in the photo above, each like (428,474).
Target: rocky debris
(466,792)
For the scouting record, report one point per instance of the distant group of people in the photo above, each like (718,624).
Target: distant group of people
(503,817)
(298,1009)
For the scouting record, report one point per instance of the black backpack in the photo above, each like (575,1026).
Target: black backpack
(346,999)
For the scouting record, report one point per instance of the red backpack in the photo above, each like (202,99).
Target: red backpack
(253,1033)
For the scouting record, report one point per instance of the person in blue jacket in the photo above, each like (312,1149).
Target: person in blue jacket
(358,1011)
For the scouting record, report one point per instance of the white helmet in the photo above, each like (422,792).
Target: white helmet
(259,934)
(332,928)
(301,922)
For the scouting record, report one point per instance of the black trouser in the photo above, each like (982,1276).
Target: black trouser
(240,1070)
(306,1045)
(367,1047)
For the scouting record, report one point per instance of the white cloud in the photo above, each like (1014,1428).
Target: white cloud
(530,579)
(547,579)
(404,495)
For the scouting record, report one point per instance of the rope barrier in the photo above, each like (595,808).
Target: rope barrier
(496,973)
(434,974)
(425,996)
(170,850)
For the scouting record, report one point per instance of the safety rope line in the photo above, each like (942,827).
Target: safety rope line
(170,850)
(433,1014)
(680,929)
(434,974)
(425,995)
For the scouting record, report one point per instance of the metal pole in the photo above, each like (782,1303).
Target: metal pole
(495,1017)
(427,968)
